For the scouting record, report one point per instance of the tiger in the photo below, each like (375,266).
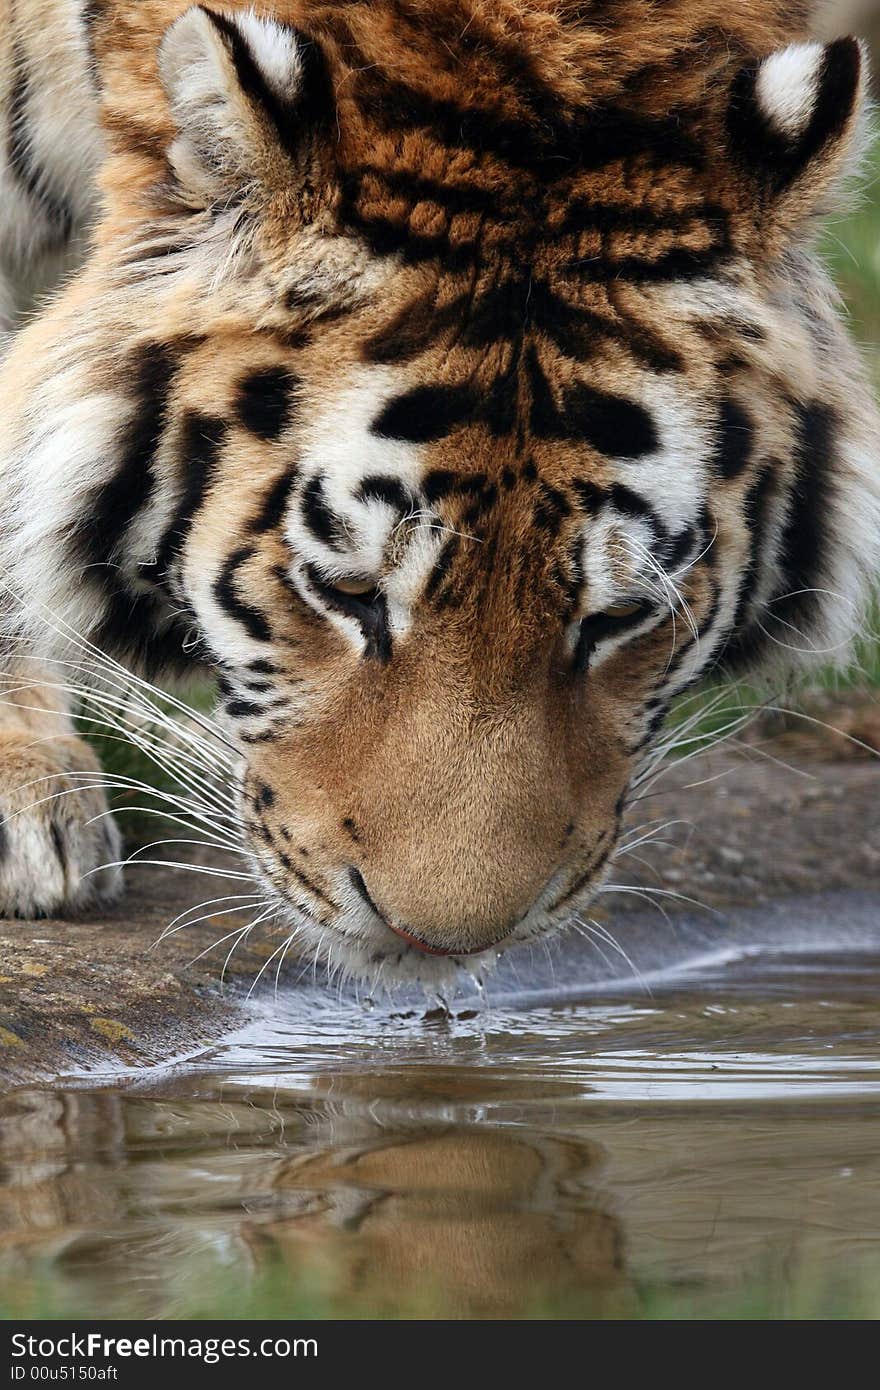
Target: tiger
(458,383)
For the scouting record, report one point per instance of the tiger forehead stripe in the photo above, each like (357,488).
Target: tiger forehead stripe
(610,424)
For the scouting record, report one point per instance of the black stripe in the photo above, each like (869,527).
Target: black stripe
(804,538)
(58,845)
(569,577)
(630,503)
(427,413)
(440,572)
(680,548)
(243,709)
(551,508)
(389,236)
(612,425)
(591,496)
(319,517)
(601,854)
(202,438)
(394,236)
(746,639)
(710,634)
(251,619)
(415,329)
(453,197)
(114,505)
(544,415)
(593,215)
(500,409)
(378,488)
(679,263)
(551,147)
(265,400)
(735,437)
(275,503)
(443,482)
(580,333)
(708,638)
(505,313)
(135,627)
(299,298)
(483,502)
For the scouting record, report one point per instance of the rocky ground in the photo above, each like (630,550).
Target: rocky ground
(791,810)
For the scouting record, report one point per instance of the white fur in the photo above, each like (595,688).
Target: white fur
(276,52)
(68,452)
(672,480)
(787,86)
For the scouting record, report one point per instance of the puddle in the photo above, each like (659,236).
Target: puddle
(571,1143)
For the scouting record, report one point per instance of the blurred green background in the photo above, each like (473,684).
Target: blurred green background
(851,247)
(852,242)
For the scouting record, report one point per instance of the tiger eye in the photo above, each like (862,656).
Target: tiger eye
(622,610)
(356,588)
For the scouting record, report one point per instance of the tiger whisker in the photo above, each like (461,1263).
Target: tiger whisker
(614,944)
(126,678)
(96,781)
(237,932)
(662,892)
(176,864)
(248,902)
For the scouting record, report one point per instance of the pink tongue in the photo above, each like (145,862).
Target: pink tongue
(419,945)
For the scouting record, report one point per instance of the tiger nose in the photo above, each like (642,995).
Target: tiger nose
(470,939)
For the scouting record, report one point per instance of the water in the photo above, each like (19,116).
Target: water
(575,1143)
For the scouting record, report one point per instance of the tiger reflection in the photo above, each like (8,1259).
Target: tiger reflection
(130,1197)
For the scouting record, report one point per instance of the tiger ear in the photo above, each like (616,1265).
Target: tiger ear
(246,94)
(794,123)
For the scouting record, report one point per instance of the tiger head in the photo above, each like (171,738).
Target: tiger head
(455,379)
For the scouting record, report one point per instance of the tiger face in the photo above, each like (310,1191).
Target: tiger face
(464,399)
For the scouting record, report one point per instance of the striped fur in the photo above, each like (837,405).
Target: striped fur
(457,381)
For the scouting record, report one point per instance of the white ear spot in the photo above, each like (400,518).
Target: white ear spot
(787,86)
(275,51)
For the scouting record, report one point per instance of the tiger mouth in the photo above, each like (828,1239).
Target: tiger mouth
(416,942)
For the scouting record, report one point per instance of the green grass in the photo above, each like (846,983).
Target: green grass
(851,249)
(281,1295)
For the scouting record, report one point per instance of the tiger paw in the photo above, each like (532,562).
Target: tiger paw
(59,846)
